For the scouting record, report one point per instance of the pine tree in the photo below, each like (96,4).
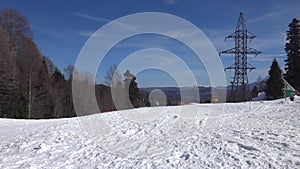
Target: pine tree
(132,87)
(57,77)
(12,103)
(43,105)
(292,48)
(274,82)
(70,111)
(60,94)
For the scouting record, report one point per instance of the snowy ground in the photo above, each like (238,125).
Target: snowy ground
(238,135)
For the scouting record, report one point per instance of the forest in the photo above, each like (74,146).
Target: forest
(31,86)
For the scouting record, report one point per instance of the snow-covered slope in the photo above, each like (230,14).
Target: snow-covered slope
(246,135)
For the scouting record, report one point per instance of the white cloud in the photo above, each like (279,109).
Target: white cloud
(267,57)
(217,37)
(268,16)
(188,33)
(91,17)
(99,19)
(86,33)
(274,42)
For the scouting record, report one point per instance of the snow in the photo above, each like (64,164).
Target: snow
(233,135)
(261,96)
(297,99)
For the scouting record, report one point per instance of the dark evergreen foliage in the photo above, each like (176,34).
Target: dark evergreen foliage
(12,103)
(274,82)
(43,106)
(292,48)
(63,103)
(30,86)
(133,90)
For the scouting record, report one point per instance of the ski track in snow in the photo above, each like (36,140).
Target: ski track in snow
(233,135)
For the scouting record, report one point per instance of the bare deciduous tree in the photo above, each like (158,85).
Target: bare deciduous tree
(18,29)
(112,77)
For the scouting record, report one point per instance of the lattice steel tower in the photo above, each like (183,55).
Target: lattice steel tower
(240,86)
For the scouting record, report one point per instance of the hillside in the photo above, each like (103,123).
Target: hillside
(252,134)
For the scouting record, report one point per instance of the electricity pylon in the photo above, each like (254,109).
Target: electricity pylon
(240,84)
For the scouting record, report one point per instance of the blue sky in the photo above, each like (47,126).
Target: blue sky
(61,28)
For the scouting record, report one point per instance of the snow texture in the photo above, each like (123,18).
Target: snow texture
(233,135)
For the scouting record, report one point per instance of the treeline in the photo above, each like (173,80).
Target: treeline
(32,87)
(30,84)
(122,92)
(119,93)
(275,84)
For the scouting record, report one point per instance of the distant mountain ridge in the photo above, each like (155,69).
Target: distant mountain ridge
(174,93)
